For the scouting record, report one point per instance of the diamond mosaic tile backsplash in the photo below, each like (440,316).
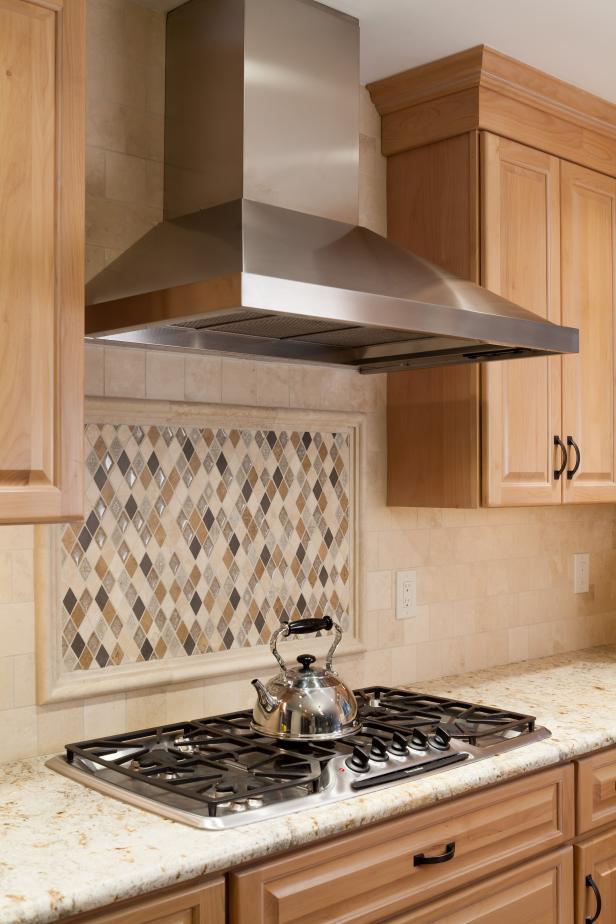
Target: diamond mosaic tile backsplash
(200,540)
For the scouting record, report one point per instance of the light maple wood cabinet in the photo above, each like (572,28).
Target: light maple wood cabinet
(512,857)
(595,879)
(588,223)
(487,189)
(200,904)
(373,876)
(596,791)
(539,892)
(42,151)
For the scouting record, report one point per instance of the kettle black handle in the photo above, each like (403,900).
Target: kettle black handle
(304,626)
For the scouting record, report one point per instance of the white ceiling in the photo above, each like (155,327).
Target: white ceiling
(572,39)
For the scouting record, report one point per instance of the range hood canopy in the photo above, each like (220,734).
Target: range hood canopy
(260,252)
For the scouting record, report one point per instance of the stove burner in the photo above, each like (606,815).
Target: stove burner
(220,766)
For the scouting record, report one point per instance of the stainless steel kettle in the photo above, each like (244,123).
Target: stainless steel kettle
(305,702)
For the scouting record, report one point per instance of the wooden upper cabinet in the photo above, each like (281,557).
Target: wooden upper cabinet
(481,181)
(433,414)
(42,150)
(589,303)
(520,234)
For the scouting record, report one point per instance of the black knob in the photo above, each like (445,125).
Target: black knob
(358,761)
(419,741)
(306,660)
(378,750)
(440,740)
(398,744)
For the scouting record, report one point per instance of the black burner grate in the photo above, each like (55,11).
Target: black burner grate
(401,710)
(221,762)
(202,763)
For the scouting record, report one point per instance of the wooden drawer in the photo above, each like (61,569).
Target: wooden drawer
(539,892)
(596,791)
(371,875)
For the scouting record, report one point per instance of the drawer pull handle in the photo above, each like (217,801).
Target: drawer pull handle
(420,859)
(564,457)
(591,884)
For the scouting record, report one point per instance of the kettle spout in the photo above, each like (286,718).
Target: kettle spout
(267,701)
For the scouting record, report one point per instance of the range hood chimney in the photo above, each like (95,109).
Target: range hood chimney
(260,252)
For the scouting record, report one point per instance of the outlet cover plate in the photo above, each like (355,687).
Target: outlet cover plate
(406,594)
(581,573)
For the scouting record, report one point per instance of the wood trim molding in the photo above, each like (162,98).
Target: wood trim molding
(56,684)
(480,88)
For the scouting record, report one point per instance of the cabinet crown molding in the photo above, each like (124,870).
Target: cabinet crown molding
(481,88)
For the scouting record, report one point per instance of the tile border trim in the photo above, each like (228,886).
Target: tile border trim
(54,683)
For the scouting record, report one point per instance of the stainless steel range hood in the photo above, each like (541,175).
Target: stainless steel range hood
(260,252)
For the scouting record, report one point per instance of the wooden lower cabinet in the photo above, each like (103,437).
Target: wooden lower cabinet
(371,876)
(539,892)
(596,791)
(199,904)
(595,869)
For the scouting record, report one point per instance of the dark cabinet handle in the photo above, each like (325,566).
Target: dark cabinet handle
(559,471)
(591,884)
(420,859)
(578,457)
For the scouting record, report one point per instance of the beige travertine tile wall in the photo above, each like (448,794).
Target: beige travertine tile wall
(493,586)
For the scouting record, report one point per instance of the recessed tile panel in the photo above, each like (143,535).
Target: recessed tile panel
(200,540)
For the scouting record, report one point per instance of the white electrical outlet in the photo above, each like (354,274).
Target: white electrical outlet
(406,594)
(581,573)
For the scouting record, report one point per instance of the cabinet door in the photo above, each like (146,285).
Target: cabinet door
(520,260)
(540,892)
(41,259)
(200,904)
(588,208)
(595,866)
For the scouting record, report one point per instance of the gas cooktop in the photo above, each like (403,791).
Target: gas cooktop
(217,772)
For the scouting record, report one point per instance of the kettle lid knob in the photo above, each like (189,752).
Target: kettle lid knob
(306,660)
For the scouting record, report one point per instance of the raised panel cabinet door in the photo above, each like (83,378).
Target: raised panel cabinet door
(41,259)
(198,904)
(540,892)
(596,791)
(595,878)
(520,260)
(588,216)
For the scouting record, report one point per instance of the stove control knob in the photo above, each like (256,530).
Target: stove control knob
(440,740)
(398,744)
(378,750)
(358,761)
(419,741)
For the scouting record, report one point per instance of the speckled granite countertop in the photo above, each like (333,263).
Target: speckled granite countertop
(65,848)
